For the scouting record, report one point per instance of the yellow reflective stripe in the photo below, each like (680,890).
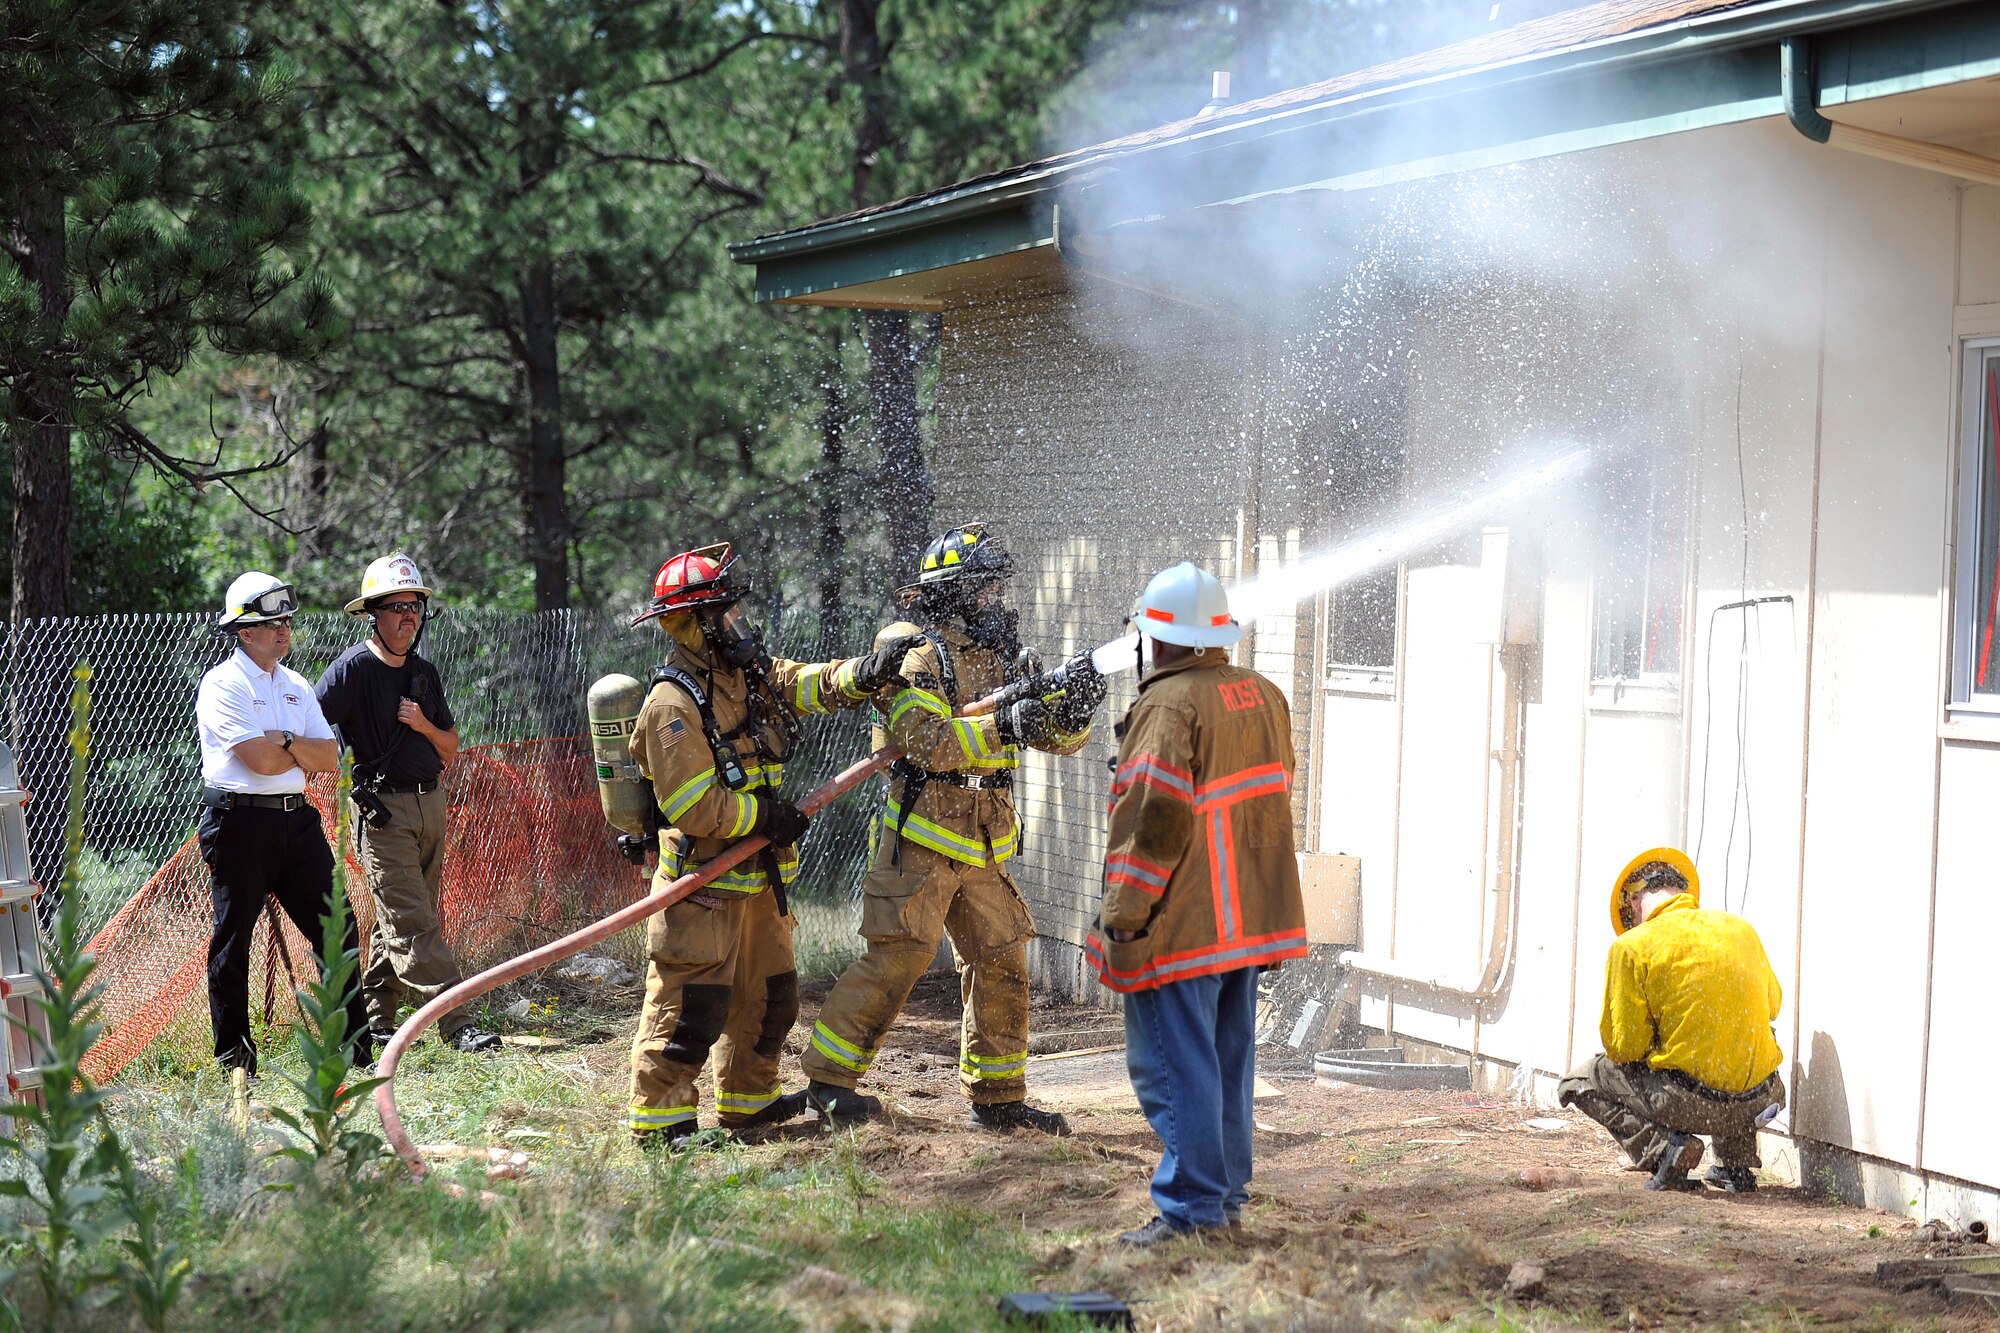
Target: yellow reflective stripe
(1068,737)
(993,1066)
(746,814)
(1007,758)
(806,691)
(942,840)
(748,879)
(916,698)
(972,738)
(659,1117)
(683,797)
(843,680)
(843,1053)
(744,1103)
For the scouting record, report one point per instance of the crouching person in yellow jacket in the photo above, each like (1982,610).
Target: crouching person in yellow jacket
(713,737)
(1689,999)
(946,836)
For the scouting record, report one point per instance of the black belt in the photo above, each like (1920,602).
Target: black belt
(419,788)
(974,781)
(1762,1092)
(224,800)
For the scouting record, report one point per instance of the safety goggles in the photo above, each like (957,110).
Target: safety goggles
(279,601)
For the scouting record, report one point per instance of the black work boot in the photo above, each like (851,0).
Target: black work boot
(1006,1117)
(841,1106)
(1681,1155)
(671,1139)
(1732,1179)
(787,1106)
(473,1040)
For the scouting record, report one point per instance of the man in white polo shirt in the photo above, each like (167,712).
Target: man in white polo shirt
(262,735)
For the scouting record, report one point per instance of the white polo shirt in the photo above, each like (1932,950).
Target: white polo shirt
(237,702)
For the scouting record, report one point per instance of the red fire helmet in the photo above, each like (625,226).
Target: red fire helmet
(706,576)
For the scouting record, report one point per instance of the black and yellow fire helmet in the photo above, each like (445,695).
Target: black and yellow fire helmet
(966,552)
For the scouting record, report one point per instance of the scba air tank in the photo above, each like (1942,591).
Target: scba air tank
(613,708)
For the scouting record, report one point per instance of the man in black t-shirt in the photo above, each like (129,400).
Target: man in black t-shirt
(389,706)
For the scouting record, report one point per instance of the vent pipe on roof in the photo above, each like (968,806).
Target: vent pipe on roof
(1798,77)
(1218,94)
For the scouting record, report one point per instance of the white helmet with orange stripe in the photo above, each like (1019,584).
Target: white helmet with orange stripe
(1186,605)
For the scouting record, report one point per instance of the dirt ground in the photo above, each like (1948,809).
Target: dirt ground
(1368,1206)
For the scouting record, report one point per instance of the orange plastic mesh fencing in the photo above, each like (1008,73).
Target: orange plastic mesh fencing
(527,858)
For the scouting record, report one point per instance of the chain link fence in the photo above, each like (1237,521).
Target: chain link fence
(529,856)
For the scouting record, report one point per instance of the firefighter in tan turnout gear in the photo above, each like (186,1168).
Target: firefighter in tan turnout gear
(945,837)
(712,737)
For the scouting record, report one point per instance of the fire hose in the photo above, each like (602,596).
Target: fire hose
(536,959)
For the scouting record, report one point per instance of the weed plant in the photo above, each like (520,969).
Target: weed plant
(71,1180)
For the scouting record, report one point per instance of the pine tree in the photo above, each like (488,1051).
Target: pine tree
(148,207)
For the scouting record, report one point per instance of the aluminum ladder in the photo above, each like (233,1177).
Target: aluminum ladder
(27,1032)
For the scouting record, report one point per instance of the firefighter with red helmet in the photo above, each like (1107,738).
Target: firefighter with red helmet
(712,737)
(946,836)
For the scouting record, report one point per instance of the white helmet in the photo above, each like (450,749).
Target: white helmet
(387,576)
(254,599)
(1187,606)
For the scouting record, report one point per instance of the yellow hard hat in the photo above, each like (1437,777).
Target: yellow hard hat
(1672,856)
(389,575)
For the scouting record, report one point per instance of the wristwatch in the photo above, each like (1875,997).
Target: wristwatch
(289,738)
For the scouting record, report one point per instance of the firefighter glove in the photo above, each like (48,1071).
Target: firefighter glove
(1083,688)
(1023,723)
(884,666)
(779,820)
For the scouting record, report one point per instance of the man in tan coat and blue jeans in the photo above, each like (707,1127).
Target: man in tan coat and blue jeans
(1201,892)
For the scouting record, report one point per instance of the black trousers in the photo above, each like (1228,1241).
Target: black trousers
(253,851)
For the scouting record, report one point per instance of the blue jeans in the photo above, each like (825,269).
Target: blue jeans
(1191,1049)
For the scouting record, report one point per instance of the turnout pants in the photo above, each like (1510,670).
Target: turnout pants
(905,910)
(404,865)
(252,851)
(719,974)
(1191,1049)
(1643,1107)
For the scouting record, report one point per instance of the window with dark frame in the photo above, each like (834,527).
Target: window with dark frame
(1976,656)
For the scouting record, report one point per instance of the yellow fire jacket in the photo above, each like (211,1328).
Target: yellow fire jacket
(977,826)
(1200,852)
(669,747)
(1691,989)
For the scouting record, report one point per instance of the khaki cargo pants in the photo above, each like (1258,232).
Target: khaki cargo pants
(719,974)
(1644,1107)
(404,866)
(904,912)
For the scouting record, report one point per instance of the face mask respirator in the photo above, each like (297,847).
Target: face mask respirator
(733,638)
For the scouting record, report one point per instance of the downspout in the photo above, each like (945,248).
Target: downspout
(1798,73)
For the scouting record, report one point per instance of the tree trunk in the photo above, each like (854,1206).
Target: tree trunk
(41,458)
(40,676)
(903,479)
(548,521)
(832,516)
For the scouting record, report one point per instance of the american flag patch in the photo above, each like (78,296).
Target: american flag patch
(673,731)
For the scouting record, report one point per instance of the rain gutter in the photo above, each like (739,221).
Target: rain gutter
(1798,73)
(1895,45)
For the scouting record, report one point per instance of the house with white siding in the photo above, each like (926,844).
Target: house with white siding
(1722,280)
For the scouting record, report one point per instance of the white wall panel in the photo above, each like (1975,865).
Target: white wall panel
(1960,1087)
(1884,494)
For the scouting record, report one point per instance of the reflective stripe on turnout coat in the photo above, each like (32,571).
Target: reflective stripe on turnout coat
(1200,853)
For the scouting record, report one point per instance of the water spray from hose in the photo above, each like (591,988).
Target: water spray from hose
(1283,588)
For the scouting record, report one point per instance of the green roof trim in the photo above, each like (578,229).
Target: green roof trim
(1718,70)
